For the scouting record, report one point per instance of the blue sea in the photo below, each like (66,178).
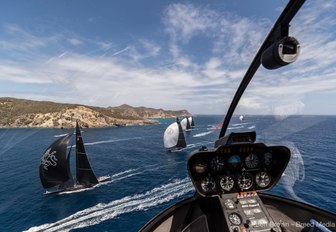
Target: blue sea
(145,179)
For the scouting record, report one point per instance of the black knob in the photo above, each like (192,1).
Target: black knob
(247,223)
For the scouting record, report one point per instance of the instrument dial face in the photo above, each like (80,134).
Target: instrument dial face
(263,179)
(235,219)
(252,161)
(208,185)
(268,159)
(245,181)
(217,164)
(227,182)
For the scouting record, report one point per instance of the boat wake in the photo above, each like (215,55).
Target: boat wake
(235,127)
(7,142)
(200,144)
(107,141)
(60,135)
(240,124)
(113,178)
(202,134)
(111,141)
(102,212)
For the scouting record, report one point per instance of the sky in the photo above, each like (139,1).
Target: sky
(165,54)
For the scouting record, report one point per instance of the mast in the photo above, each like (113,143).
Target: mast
(54,169)
(188,127)
(84,173)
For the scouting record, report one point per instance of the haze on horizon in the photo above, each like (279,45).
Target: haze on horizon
(165,54)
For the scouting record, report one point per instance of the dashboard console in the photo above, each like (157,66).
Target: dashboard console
(234,172)
(237,168)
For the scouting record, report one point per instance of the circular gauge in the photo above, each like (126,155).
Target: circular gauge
(252,161)
(235,219)
(245,181)
(263,179)
(268,159)
(226,182)
(208,185)
(200,168)
(234,161)
(217,164)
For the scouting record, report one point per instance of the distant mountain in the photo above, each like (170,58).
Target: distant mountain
(144,112)
(27,113)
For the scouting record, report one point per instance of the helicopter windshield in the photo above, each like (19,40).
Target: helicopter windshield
(293,106)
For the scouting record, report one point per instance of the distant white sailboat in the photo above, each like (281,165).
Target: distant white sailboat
(241,118)
(185,124)
(173,137)
(192,121)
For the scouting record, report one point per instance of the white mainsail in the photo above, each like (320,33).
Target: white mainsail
(170,136)
(185,124)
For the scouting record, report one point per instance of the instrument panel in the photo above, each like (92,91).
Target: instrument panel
(237,168)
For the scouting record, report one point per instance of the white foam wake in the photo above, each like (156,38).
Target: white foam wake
(239,124)
(200,144)
(110,141)
(102,212)
(60,135)
(113,178)
(202,134)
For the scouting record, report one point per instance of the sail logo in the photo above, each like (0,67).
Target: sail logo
(170,131)
(48,159)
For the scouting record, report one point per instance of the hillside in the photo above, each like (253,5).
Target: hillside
(27,113)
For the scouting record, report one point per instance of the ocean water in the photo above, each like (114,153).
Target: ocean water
(145,179)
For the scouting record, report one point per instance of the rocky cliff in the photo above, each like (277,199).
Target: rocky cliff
(27,113)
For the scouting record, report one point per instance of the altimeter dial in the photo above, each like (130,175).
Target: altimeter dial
(263,179)
(217,164)
(227,182)
(208,185)
(252,161)
(245,181)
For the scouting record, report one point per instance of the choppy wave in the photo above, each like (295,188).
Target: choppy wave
(102,212)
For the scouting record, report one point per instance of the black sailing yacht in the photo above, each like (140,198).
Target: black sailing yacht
(231,177)
(55,173)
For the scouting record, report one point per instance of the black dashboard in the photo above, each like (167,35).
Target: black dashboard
(237,168)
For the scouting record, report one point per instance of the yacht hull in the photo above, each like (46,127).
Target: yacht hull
(77,187)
